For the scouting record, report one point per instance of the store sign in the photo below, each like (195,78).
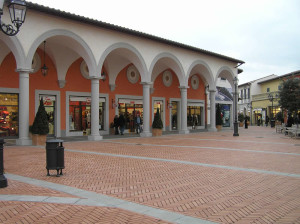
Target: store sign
(130,101)
(85,99)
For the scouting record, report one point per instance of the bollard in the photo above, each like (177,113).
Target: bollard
(3,180)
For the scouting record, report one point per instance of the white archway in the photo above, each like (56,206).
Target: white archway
(123,54)
(164,61)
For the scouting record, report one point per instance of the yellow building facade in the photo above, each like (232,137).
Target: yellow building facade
(266,103)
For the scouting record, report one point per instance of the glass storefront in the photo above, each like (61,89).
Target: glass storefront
(80,114)
(49,104)
(129,108)
(174,115)
(9,114)
(225,110)
(193,115)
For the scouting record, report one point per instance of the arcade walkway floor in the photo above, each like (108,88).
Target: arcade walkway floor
(206,177)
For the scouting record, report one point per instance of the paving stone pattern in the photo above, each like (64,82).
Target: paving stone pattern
(157,173)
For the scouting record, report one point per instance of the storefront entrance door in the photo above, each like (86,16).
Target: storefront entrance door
(174,115)
(49,104)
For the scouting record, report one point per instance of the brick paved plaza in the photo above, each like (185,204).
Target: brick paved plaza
(205,177)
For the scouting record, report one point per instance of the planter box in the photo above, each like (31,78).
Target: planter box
(39,139)
(156,132)
(241,124)
(219,127)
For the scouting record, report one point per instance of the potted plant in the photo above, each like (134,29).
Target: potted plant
(157,124)
(241,119)
(40,127)
(219,120)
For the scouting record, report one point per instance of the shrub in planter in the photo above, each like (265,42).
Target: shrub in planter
(241,119)
(157,124)
(40,127)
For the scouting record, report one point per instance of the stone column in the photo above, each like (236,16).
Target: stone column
(146,109)
(95,136)
(183,92)
(212,95)
(24,107)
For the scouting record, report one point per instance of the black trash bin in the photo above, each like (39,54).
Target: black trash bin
(272,123)
(55,156)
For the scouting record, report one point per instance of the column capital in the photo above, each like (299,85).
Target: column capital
(183,87)
(146,83)
(94,78)
(27,70)
(212,90)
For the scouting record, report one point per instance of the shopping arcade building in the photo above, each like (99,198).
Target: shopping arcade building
(97,70)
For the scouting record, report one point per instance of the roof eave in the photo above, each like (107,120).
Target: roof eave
(104,25)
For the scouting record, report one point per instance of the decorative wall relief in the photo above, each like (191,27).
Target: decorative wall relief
(84,69)
(195,82)
(167,78)
(133,74)
(36,63)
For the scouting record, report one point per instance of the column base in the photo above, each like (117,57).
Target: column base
(146,134)
(95,137)
(23,141)
(184,132)
(212,129)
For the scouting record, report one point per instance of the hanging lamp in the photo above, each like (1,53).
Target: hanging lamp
(44,68)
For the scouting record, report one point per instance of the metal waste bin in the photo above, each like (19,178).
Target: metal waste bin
(55,156)
(272,123)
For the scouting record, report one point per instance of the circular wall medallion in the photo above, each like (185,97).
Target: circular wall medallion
(195,82)
(167,78)
(133,74)
(36,63)
(84,69)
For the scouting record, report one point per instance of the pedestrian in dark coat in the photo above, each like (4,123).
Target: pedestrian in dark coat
(116,124)
(122,123)
(246,122)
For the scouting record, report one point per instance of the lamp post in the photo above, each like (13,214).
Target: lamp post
(272,98)
(17,11)
(235,125)
(3,180)
(249,106)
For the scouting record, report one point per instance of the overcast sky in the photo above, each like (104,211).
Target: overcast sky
(263,33)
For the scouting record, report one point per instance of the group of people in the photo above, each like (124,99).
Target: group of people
(119,124)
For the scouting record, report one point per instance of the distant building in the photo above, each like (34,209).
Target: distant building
(255,97)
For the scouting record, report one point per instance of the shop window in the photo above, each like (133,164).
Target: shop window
(193,116)
(129,108)
(9,114)
(225,110)
(80,114)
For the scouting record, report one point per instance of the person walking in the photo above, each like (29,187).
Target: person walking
(122,123)
(267,120)
(116,124)
(138,123)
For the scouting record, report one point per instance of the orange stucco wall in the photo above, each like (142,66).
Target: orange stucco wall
(77,83)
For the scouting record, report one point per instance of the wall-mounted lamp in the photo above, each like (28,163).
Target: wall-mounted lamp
(44,68)
(169,105)
(103,76)
(17,11)
(113,103)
